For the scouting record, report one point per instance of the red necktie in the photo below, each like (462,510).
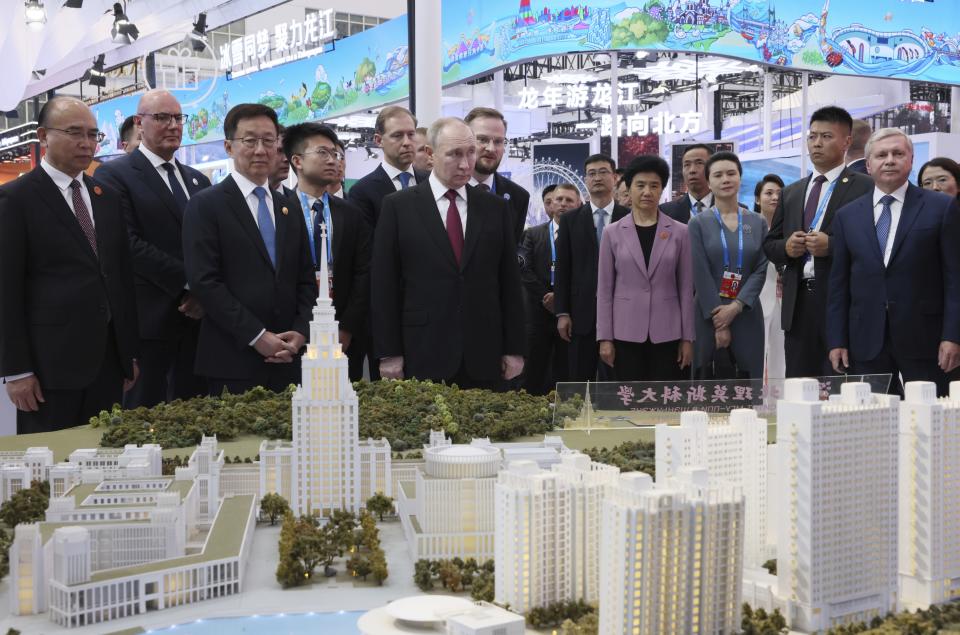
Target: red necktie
(83,216)
(454,226)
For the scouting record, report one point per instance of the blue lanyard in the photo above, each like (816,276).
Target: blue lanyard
(823,206)
(305,204)
(723,240)
(553,252)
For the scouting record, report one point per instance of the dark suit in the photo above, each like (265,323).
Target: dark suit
(859,165)
(892,318)
(546,352)
(519,200)
(447,321)
(576,285)
(351,272)
(804,303)
(168,344)
(229,270)
(67,314)
(367,194)
(678,210)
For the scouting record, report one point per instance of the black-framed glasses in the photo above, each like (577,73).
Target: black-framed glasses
(163,118)
(251,142)
(324,154)
(77,135)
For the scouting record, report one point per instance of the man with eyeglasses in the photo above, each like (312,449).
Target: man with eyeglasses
(68,319)
(578,252)
(490,130)
(314,152)
(248,260)
(155,189)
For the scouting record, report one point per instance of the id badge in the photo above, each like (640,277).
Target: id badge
(730,284)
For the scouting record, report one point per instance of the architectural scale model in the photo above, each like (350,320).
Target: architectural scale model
(671,555)
(929,482)
(441,614)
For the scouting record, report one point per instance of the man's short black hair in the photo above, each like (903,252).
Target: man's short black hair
(600,158)
(127,129)
(697,146)
(548,190)
(723,155)
(295,137)
(833,114)
(247,111)
(647,163)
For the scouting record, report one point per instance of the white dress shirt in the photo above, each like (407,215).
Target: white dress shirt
(63,182)
(313,214)
(707,201)
(158,161)
(394,175)
(246,189)
(443,204)
(608,208)
(489,182)
(338,193)
(832,176)
(896,207)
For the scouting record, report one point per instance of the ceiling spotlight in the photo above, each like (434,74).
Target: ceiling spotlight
(96,76)
(35,14)
(123,31)
(198,37)
(73,4)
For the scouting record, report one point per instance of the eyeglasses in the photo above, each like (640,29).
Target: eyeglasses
(163,118)
(251,142)
(77,135)
(593,174)
(324,155)
(497,142)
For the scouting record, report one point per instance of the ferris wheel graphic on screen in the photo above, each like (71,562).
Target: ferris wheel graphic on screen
(551,172)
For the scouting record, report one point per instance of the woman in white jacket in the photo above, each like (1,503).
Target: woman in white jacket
(766,196)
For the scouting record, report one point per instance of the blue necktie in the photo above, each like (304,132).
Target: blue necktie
(264,220)
(601,218)
(883,224)
(178,194)
(404,180)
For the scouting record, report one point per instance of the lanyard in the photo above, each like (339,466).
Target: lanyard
(823,206)
(307,208)
(723,240)
(553,252)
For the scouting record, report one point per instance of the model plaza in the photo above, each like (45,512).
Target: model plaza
(678,554)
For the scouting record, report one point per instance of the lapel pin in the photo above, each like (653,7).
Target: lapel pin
(506,196)
(97,190)
(284,210)
(664,235)
(845,179)
(195,181)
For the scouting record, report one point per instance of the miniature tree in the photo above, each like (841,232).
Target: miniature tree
(4,553)
(380,504)
(360,565)
(422,576)
(378,567)
(25,506)
(273,506)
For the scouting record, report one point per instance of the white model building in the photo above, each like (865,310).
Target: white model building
(119,547)
(734,450)
(929,496)
(440,614)
(18,468)
(671,555)
(837,529)
(329,467)
(547,528)
(132,461)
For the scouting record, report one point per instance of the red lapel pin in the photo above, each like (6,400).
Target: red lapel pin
(97,190)
(664,235)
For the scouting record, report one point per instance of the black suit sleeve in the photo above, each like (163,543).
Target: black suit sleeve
(511,297)
(386,284)
(360,196)
(201,255)
(355,312)
(152,263)
(950,254)
(128,329)
(528,271)
(774,245)
(562,277)
(306,284)
(15,354)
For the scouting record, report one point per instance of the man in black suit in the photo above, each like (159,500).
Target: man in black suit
(859,136)
(445,299)
(490,130)
(155,188)
(281,169)
(698,198)
(315,155)
(248,261)
(68,319)
(578,250)
(799,240)
(546,353)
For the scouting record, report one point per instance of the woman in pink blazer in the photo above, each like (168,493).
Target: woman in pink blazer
(645,309)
